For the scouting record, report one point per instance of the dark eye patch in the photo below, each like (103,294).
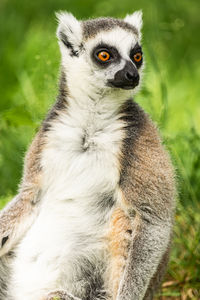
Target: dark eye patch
(114,55)
(134,51)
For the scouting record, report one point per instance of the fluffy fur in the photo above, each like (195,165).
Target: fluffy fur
(94,212)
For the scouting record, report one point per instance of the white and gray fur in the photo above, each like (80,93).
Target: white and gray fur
(95,151)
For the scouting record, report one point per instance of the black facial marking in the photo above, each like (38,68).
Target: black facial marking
(68,44)
(136,49)
(4,240)
(114,55)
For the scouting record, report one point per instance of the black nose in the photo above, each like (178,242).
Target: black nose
(132,76)
(127,78)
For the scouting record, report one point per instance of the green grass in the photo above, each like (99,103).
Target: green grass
(170,93)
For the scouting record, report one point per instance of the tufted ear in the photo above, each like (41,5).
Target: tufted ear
(135,19)
(69,32)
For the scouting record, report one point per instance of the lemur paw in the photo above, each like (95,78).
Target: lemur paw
(60,295)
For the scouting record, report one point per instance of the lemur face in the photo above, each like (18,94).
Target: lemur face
(104,53)
(116,56)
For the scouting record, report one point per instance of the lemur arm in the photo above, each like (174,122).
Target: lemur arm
(17,217)
(150,196)
(148,192)
(157,278)
(147,248)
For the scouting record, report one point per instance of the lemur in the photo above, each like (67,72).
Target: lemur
(93,216)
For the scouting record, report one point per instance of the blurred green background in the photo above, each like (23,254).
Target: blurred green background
(29,68)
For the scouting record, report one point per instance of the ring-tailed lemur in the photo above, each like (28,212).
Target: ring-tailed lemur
(94,212)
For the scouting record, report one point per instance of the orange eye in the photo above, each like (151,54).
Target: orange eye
(103,56)
(137,57)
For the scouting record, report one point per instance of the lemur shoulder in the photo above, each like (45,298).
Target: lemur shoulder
(94,212)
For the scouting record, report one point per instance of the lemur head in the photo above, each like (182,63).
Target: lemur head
(103,54)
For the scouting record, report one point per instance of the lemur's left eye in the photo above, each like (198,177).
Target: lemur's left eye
(103,55)
(137,57)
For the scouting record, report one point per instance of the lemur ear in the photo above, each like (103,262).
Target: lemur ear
(69,32)
(135,20)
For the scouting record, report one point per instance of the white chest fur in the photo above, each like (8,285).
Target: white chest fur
(81,157)
(80,162)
